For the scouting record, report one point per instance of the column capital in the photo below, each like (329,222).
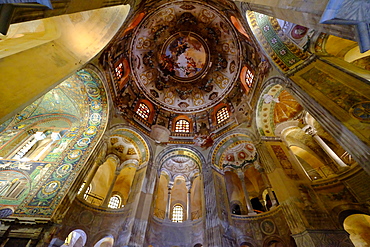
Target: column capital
(240,175)
(309,130)
(188,186)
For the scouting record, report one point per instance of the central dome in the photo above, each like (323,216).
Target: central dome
(185,56)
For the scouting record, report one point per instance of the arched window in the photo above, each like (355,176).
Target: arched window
(143,111)
(114,202)
(177,213)
(119,71)
(249,78)
(182,125)
(87,190)
(222,115)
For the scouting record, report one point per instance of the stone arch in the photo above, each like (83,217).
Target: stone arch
(224,142)
(273,241)
(358,226)
(139,140)
(106,241)
(76,238)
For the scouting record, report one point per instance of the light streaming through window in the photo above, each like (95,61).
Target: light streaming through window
(182,126)
(143,111)
(177,213)
(222,115)
(119,71)
(249,78)
(114,202)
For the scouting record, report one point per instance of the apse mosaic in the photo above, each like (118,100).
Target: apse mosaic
(51,178)
(185,57)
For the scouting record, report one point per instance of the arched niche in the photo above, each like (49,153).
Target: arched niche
(358,226)
(273,241)
(180,181)
(314,161)
(276,106)
(76,238)
(105,242)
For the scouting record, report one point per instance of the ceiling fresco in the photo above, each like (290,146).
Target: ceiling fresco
(185,56)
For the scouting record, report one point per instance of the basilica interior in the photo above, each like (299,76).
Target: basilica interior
(185,123)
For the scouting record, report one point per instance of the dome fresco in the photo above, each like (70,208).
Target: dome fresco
(185,56)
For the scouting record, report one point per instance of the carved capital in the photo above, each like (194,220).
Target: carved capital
(309,130)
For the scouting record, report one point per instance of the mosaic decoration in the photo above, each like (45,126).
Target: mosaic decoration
(265,113)
(5,212)
(43,200)
(283,51)
(180,58)
(245,155)
(238,155)
(361,111)
(268,227)
(275,106)
(333,89)
(284,162)
(14,184)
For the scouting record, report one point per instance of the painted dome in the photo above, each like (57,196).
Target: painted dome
(185,57)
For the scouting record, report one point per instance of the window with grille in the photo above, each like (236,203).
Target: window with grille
(222,115)
(182,125)
(114,202)
(87,190)
(249,78)
(177,213)
(119,71)
(143,111)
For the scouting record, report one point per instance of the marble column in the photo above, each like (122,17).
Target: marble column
(110,190)
(269,190)
(168,208)
(90,177)
(246,194)
(188,204)
(116,161)
(310,130)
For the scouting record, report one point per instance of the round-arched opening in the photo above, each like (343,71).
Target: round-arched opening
(105,242)
(358,226)
(76,238)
